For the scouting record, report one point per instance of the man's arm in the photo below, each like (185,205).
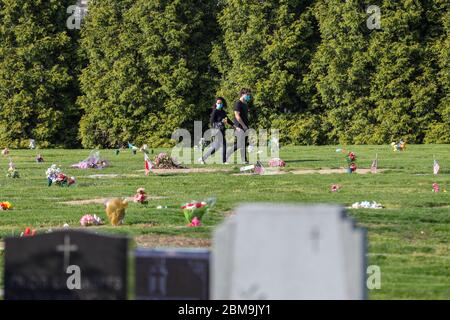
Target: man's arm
(237,115)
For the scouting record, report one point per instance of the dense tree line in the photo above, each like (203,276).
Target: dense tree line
(138,69)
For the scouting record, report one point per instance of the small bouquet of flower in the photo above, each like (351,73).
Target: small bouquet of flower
(28,233)
(90,220)
(54,175)
(164,161)
(12,171)
(39,158)
(276,162)
(194,211)
(367,205)
(350,157)
(436,187)
(5,205)
(399,146)
(335,188)
(140,196)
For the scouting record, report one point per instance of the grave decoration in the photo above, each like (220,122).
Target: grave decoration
(90,220)
(39,158)
(367,205)
(5,205)
(335,188)
(115,210)
(94,161)
(57,177)
(140,196)
(399,146)
(12,171)
(436,187)
(350,158)
(164,161)
(276,162)
(29,233)
(194,211)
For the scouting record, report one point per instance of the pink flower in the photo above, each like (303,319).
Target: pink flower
(335,188)
(436,187)
(277,162)
(90,220)
(140,197)
(195,222)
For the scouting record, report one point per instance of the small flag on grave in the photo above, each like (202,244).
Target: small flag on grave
(436,167)
(148,164)
(374,166)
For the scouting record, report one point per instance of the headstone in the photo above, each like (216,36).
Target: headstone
(66,265)
(180,274)
(269,251)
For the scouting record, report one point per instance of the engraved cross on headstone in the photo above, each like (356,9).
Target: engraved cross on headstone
(66,248)
(158,279)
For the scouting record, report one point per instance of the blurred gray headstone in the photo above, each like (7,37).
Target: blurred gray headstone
(50,267)
(172,274)
(270,251)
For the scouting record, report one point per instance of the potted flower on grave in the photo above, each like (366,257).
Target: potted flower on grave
(194,211)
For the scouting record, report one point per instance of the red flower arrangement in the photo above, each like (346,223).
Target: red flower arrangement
(351,161)
(5,205)
(28,233)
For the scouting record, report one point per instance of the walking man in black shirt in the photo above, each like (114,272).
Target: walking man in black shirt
(241,124)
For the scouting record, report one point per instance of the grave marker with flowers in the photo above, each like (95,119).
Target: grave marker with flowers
(350,158)
(56,176)
(194,211)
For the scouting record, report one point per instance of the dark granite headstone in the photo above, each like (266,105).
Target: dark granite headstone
(66,265)
(172,274)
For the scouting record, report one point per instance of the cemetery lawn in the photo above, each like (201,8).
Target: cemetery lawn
(409,239)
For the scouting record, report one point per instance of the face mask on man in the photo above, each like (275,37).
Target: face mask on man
(248,98)
(219,106)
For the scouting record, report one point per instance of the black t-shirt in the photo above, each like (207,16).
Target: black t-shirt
(242,108)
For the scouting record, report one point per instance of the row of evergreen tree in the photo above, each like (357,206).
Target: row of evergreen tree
(138,69)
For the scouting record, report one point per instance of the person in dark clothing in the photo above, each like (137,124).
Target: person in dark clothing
(218,121)
(241,124)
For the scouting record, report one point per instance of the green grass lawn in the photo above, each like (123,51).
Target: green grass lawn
(409,239)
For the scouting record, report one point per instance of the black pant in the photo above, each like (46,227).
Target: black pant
(219,141)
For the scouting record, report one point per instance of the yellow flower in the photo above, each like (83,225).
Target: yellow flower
(6,205)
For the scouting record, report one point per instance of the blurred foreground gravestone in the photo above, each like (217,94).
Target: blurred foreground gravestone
(178,274)
(270,251)
(66,265)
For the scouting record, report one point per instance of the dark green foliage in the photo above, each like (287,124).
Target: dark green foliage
(148,67)
(37,74)
(148,71)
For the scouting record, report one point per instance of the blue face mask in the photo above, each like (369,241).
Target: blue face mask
(248,98)
(219,106)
